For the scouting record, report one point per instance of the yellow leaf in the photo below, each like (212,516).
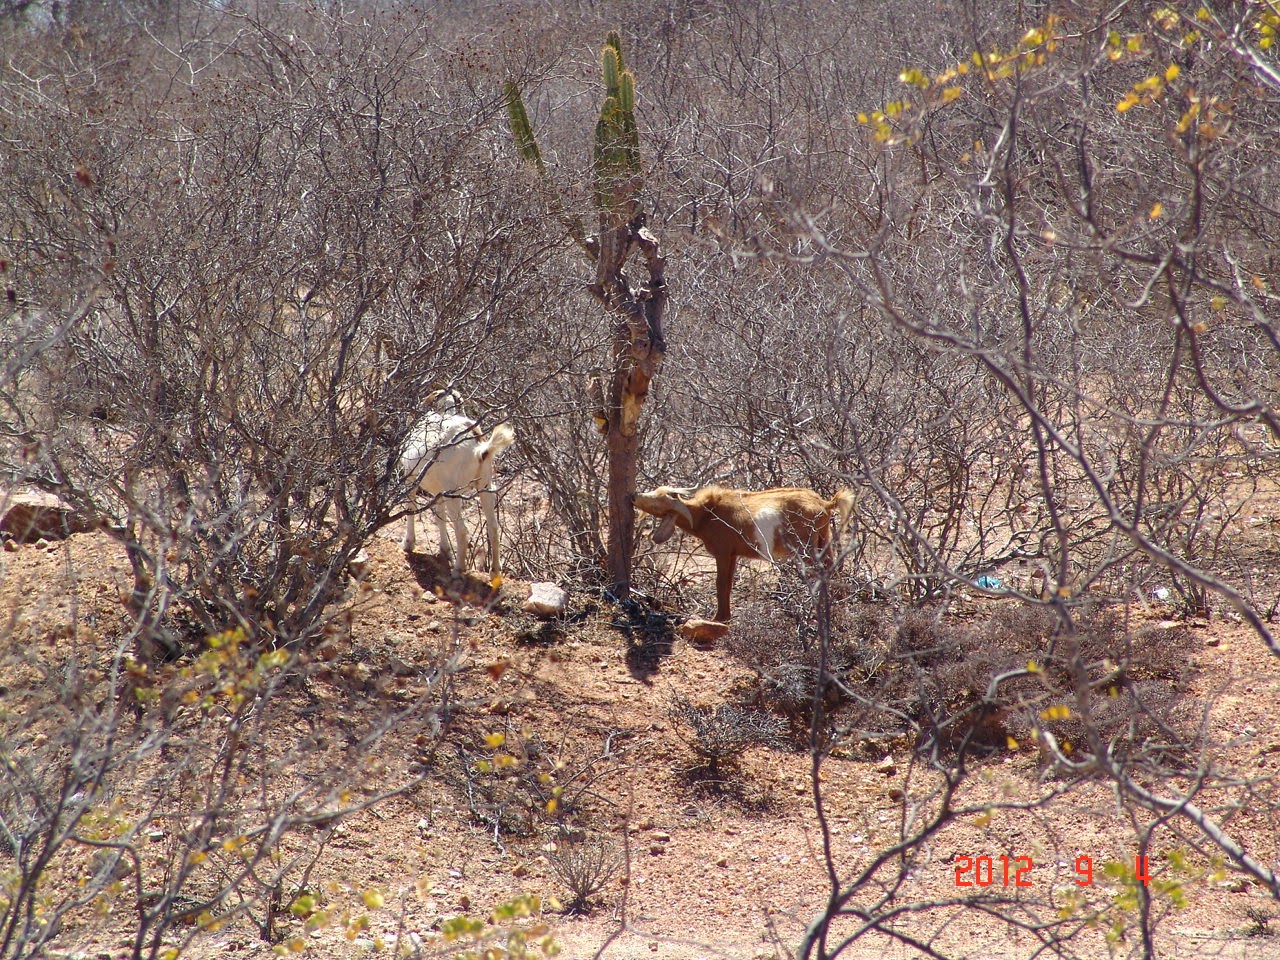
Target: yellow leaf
(982,819)
(553,805)
(494,740)
(1172,73)
(1011,743)
(373,899)
(951,93)
(1156,211)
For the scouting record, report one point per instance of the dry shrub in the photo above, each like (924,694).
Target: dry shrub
(780,640)
(953,684)
(720,735)
(585,865)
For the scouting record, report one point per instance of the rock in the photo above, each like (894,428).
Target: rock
(887,766)
(703,631)
(358,565)
(28,517)
(545,600)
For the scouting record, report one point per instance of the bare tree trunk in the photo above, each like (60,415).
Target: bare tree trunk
(638,344)
(638,348)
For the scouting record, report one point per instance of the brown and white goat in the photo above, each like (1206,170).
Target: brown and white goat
(756,524)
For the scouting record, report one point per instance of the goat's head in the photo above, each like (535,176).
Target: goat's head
(444,401)
(667,504)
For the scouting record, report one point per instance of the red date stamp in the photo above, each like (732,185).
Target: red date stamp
(1016,871)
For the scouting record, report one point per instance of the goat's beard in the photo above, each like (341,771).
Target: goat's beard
(665,529)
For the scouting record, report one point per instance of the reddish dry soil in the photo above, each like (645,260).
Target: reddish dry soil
(731,870)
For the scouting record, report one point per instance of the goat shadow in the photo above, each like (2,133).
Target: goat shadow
(434,573)
(650,636)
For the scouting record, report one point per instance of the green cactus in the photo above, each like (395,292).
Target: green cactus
(521,128)
(616,167)
(617,152)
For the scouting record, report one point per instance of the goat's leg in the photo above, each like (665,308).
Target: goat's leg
(489,503)
(453,506)
(412,517)
(442,529)
(725,567)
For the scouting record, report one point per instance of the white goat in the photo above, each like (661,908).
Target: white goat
(448,458)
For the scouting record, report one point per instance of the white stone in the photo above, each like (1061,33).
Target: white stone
(358,565)
(703,631)
(545,600)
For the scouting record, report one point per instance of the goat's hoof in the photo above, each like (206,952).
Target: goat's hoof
(703,631)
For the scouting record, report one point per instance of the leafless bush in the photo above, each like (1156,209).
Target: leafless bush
(719,735)
(231,293)
(585,864)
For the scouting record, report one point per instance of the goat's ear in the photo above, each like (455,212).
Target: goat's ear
(681,506)
(662,533)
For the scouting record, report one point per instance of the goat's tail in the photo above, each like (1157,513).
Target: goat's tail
(498,440)
(846,503)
